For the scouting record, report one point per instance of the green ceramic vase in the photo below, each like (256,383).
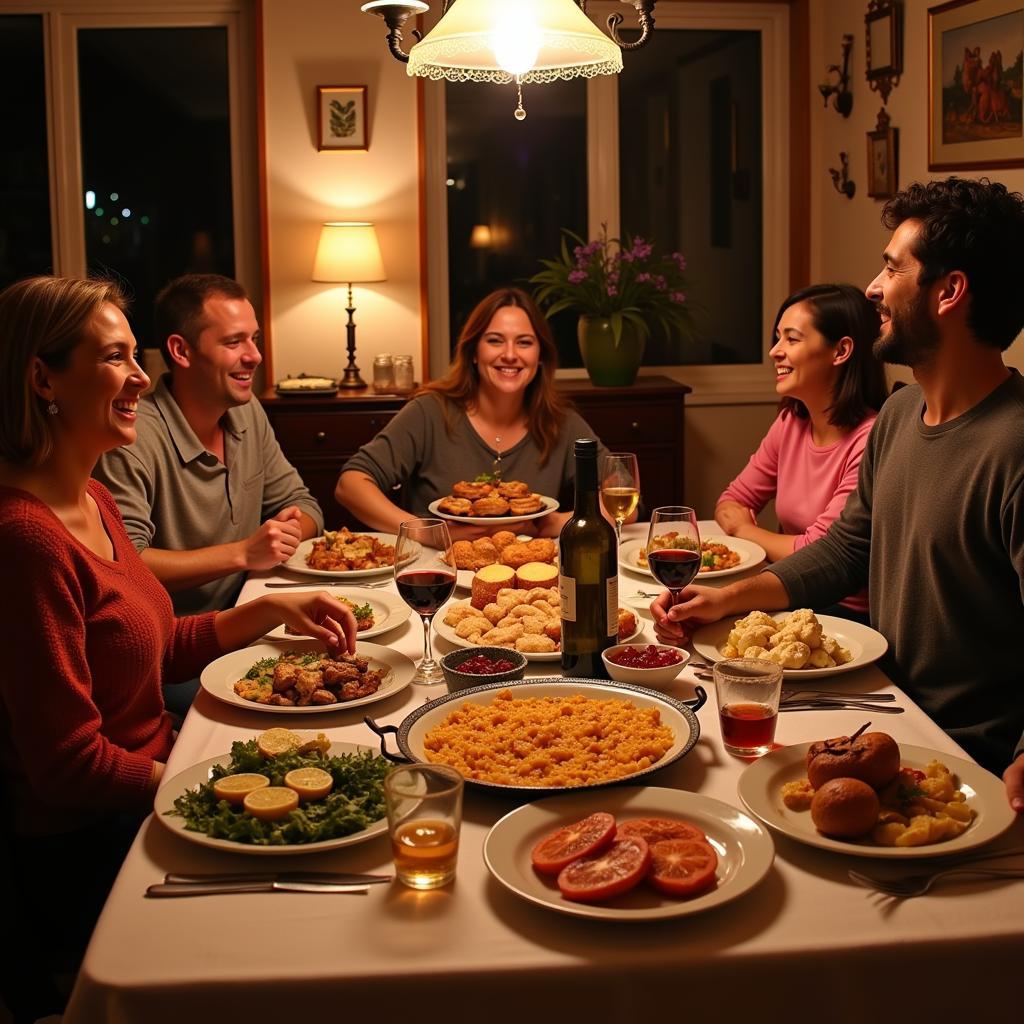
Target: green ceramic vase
(608,364)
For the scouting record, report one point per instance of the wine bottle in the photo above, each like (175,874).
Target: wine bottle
(588,579)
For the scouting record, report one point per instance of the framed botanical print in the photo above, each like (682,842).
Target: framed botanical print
(975,50)
(341,110)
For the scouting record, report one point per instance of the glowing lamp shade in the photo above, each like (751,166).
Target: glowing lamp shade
(509,40)
(348,252)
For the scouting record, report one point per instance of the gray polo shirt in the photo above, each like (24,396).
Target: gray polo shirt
(174,494)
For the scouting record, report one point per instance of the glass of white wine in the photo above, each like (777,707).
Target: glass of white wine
(620,487)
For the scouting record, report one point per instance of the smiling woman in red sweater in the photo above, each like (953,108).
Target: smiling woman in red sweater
(87,631)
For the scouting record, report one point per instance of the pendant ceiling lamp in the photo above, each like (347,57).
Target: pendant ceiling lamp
(505,41)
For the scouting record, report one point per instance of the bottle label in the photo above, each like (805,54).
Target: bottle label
(567,597)
(612,592)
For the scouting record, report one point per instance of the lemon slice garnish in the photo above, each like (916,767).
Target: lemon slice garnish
(235,788)
(271,802)
(309,783)
(277,741)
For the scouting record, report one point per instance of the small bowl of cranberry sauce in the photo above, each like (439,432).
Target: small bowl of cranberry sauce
(474,666)
(644,664)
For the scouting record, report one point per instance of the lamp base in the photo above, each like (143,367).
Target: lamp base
(351,380)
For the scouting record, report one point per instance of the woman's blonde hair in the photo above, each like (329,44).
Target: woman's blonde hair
(545,407)
(44,317)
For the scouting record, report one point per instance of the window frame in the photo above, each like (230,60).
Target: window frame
(712,383)
(62,20)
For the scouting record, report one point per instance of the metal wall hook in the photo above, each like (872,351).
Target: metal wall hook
(839,89)
(841,177)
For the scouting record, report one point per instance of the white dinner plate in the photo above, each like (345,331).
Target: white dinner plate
(761,783)
(449,634)
(751,555)
(550,505)
(219,677)
(864,643)
(745,850)
(194,777)
(389,610)
(297,563)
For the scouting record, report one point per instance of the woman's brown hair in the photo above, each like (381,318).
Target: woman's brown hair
(44,317)
(545,407)
(843,311)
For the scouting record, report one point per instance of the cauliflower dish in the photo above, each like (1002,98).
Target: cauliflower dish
(795,642)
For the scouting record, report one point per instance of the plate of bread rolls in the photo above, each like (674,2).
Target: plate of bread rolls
(509,501)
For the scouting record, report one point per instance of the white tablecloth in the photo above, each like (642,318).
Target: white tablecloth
(806,942)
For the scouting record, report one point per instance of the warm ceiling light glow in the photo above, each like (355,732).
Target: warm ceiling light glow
(516,41)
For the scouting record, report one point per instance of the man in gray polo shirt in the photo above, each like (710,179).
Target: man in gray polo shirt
(205,492)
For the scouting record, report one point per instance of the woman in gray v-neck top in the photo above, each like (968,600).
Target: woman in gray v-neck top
(431,444)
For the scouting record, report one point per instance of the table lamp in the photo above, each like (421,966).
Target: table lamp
(348,252)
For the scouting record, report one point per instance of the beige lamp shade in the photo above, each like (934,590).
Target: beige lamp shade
(504,40)
(348,252)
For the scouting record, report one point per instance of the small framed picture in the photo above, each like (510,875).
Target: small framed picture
(884,51)
(975,50)
(342,114)
(882,158)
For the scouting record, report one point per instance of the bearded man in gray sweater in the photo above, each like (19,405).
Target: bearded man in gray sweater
(935,528)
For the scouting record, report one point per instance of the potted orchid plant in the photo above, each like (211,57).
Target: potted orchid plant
(619,289)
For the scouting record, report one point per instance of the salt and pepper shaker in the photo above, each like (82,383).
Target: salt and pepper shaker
(403,373)
(383,372)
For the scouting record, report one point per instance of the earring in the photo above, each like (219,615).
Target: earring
(52,409)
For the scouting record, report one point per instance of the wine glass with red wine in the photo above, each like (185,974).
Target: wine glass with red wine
(673,547)
(425,578)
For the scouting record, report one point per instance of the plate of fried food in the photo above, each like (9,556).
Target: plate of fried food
(719,556)
(548,734)
(508,501)
(869,796)
(500,548)
(342,554)
(375,611)
(806,645)
(504,613)
(301,678)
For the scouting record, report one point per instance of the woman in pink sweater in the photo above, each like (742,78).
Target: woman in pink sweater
(87,631)
(832,388)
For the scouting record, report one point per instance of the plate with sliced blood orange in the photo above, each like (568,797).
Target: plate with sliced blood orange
(680,853)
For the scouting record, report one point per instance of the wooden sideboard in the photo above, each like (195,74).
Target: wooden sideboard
(318,433)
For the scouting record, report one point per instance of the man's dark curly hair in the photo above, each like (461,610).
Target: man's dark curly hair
(976,227)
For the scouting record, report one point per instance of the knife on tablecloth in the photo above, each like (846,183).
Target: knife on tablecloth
(331,877)
(223,888)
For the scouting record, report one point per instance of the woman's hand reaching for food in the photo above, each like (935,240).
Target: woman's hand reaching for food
(316,614)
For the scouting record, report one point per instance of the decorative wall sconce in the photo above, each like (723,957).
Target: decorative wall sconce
(839,89)
(884,55)
(841,177)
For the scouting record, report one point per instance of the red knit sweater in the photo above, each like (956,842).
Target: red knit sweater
(88,643)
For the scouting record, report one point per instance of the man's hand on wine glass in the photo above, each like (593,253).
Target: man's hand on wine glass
(675,622)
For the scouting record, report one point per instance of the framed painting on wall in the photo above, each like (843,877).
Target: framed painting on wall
(883,157)
(341,110)
(975,53)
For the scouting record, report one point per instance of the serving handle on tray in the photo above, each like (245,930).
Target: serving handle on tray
(696,703)
(383,731)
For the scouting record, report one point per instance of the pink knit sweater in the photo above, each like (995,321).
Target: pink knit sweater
(88,643)
(810,484)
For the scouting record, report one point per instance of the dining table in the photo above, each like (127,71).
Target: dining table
(805,942)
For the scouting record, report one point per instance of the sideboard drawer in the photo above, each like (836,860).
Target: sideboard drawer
(328,432)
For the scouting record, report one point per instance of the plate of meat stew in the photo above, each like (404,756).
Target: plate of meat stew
(299,677)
